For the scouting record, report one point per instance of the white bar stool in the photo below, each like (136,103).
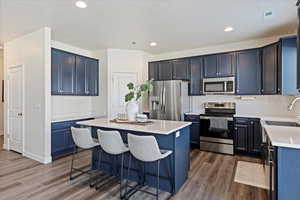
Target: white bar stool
(111,143)
(146,149)
(83,141)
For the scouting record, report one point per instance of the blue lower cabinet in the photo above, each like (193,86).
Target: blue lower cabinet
(288,178)
(194,130)
(61,137)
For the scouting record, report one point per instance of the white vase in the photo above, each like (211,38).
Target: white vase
(132,109)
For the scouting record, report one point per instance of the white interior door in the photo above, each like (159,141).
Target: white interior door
(15,109)
(119,90)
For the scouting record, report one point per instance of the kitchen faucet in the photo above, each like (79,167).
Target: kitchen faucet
(293,103)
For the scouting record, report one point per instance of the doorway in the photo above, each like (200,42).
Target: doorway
(119,90)
(15,108)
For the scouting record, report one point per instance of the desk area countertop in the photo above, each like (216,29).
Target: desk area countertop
(163,127)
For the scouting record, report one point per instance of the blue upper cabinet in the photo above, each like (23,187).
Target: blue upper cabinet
(153,71)
(62,73)
(226,64)
(55,72)
(180,69)
(210,66)
(270,72)
(165,70)
(67,73)
(219,65)
(248,76)
(288,62)
(73,74)
(92,74)
(80,75)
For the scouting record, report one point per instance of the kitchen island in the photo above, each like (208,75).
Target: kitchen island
(170,135)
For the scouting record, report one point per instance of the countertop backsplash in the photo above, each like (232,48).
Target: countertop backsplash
(267,105)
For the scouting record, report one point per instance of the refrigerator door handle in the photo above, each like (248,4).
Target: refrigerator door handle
(164,102)
(162,99)
(180,89)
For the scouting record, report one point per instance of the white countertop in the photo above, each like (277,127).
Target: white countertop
(163,127)
(268,117)
(193,113)
(62,119)
(283,136)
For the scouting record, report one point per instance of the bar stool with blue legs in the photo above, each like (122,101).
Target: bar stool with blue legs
(146,150)
(111,143)
(84,141)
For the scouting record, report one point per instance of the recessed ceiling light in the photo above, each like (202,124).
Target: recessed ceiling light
(228,29)
(153,44)
(81,4)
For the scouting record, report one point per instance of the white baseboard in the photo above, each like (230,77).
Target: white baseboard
(38,158)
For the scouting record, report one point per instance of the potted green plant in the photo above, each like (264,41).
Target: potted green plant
(132,98)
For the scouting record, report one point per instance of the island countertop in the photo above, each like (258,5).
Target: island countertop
(163,127)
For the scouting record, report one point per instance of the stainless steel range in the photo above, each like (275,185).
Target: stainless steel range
(217,130)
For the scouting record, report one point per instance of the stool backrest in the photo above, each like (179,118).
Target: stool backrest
(82,137)
(111,142)
(144,148)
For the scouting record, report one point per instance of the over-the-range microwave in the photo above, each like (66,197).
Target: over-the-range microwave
(221,86)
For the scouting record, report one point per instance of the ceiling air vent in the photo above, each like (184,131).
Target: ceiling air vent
(268,14)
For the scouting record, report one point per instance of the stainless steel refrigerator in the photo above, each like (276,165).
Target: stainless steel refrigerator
(169,100)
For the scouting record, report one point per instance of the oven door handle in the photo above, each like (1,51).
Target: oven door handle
(208,117)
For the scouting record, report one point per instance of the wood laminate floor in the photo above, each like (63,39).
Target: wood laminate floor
(211,178)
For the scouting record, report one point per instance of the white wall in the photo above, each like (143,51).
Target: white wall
(120,60)
(77,107)
(296,109)
(1,103)
(99,103)
(266,105)
(33,52)
(215,49)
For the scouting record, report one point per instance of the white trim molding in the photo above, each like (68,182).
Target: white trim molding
(44,160)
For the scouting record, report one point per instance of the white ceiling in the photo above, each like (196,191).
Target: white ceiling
(173,24)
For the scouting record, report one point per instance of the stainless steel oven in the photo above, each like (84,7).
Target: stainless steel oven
(219,85)
(217,127)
